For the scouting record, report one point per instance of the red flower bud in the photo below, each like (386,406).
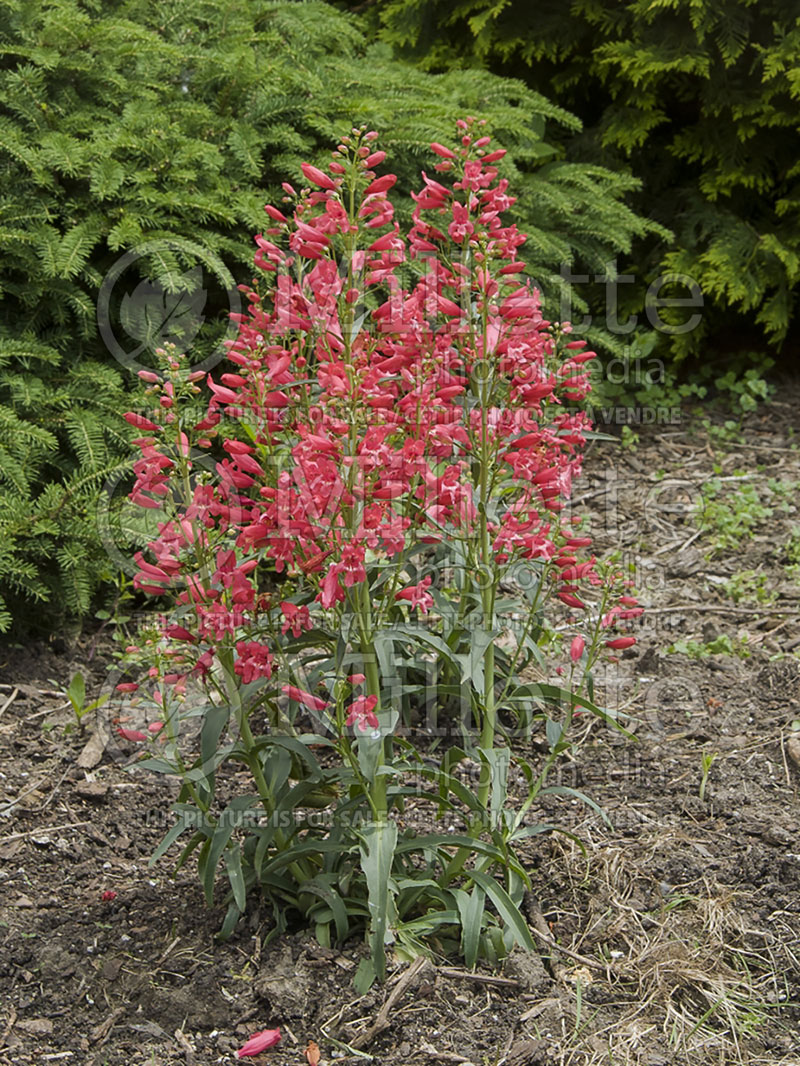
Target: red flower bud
(618,643)
(317,176)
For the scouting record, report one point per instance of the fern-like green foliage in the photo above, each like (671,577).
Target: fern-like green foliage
(131,122)
(700,100)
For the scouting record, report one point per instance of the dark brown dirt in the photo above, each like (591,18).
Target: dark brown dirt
(678,918)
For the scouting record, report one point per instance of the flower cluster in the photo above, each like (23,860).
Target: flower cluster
(362,418)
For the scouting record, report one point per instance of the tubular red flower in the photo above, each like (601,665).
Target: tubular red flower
(618,643)
(571,601)
(382,184)
(313,703)
(317,176)
(254,661)
(417,595)
(140,422)
(258,1042)
(296,618)
(362,713)
(131,734)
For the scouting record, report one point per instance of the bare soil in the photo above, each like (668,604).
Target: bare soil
(670,934)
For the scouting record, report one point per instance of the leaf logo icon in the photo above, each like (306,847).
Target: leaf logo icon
(158,313)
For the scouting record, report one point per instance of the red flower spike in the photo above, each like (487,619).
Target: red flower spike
(377,443)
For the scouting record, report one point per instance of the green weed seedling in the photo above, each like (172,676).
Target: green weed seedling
(731,518)
(629,439)
(707,760)
(748,586)
(721,645)
(793,547)
(745,391)
(76,694)
(727,432)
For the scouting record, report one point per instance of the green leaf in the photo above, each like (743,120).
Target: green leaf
(377,857)
(196,840)
(442,841)
(418,635)
(220,838)
(76,693)
(185,820)
(506,908)
(157,766)
(232,916)
(365,977)
(498,761)
(566,790)
(561,696)
(233,864)
(328,893)
(106,176)
(214,722)
(470,909)
(554,731)
(479,641)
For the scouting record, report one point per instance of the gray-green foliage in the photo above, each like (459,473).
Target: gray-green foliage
(127,122)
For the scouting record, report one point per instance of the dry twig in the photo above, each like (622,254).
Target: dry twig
(382,1020)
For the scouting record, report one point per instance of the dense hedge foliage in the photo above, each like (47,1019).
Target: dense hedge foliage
(124,123)
(700,99)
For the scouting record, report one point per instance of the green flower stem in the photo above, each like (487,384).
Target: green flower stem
(178,759)
(521,642)
(300,869)
(344,746)
(489,717)
(377,789)
(248,741)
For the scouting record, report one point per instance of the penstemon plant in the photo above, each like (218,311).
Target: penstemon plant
(361,539)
